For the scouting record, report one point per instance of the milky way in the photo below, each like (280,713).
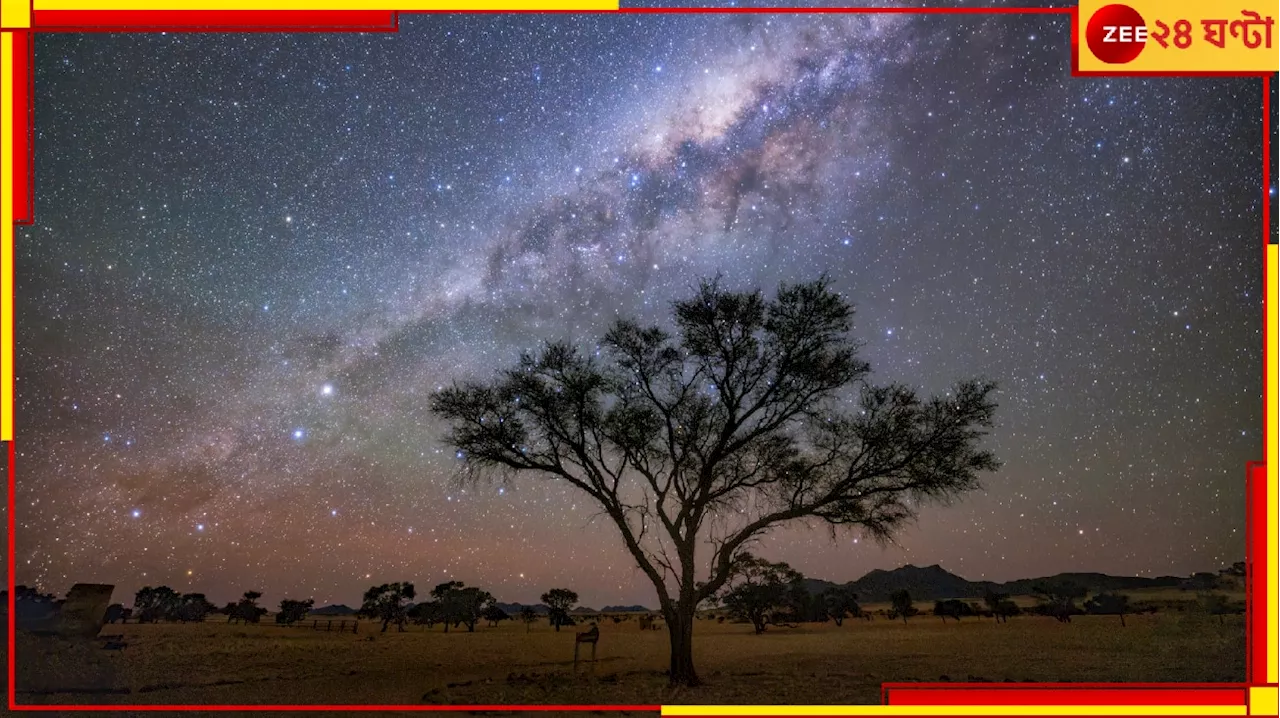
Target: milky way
(255,256)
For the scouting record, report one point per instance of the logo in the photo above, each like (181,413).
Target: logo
(1116,34)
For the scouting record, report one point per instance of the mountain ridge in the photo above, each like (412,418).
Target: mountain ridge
(933,582)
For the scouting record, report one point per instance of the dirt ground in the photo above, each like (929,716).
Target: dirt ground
(220,663)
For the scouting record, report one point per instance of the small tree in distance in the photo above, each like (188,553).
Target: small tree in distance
(388,603)
(495,615)
(841,602)
(471,603)
(560,601)
(902,605)
(247,609)
(1109,604)
(755,412)
(529,617)
(427,613)
(758,589)
(192,608)
(1058,599)
(292,611)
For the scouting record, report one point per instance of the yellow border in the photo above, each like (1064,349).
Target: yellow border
(1272,569)
(6,236)
(954,710)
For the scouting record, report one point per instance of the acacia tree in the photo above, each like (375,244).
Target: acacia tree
(427,613)
(388,603)
(1058,599)
(248,610)
(528,616)
(903,606)
(292,610)
(1109,604)
(471,602)
(758,589)
(192,607)
(753,413)
(840,602)
(154,604)
(560,601)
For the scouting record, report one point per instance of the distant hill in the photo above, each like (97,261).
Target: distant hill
(337,609)
(625,609)
(515,608)
(931,583)
(584,610)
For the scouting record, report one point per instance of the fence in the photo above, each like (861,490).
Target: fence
(327,625)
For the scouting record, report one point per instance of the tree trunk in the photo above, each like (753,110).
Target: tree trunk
(1122,619)
(680,628)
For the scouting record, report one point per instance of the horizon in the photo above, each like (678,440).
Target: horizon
(424,588)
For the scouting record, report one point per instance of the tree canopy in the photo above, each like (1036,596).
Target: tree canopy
(388,603)
(759,589)
(560,601)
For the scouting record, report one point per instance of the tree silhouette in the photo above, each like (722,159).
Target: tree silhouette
(715,434)
(192,607)
(450,609)
(902,605)
(1000,606)
(758,589)
(559,602)
(529,616)
(156,604)
(841,602)
(1059,599)
(951,608)
(388,602)
(460,604)
(292,611)
(427,613)
(247,609)
(1109,604)
(471,602)
(494,615)
(992,599)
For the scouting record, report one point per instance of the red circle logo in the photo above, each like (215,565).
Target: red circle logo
(1116,34)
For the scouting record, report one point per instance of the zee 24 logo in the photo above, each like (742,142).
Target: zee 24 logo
(1118,34)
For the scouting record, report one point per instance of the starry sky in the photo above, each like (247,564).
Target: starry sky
(255,257)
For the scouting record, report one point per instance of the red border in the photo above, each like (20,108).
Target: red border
(985,694)
(214,20)
(1255,552)
(903,694)
(23,127)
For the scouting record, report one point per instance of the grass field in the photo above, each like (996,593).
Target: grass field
(216,662)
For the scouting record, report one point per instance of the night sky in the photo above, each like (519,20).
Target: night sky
(256,256)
